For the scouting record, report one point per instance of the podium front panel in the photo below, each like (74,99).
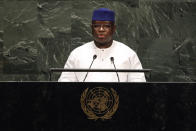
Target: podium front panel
(53,106)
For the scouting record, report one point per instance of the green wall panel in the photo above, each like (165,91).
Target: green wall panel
(38,35)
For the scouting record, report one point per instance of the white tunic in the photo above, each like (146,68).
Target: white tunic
(81,58)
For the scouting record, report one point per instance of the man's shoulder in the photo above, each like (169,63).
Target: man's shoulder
(123,47)
(83,48)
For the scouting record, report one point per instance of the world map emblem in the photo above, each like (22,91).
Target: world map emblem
(99,103)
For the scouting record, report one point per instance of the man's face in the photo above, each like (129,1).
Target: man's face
(102,31)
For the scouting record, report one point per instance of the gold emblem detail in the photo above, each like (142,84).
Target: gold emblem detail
(99,103)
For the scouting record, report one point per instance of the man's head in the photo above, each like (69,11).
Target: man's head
(103,27)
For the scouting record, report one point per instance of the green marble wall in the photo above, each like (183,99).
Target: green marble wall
(36,35)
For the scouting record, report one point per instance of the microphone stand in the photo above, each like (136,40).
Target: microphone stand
(94,57)
(112,60)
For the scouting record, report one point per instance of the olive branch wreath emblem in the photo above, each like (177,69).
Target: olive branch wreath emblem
(91,114)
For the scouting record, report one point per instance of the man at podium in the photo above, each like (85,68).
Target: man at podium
(103,53)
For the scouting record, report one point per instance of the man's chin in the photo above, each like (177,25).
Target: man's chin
(101,41)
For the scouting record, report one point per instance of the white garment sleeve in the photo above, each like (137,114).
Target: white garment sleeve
(69,76)
(135,64)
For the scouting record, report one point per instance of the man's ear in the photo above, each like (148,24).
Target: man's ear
(114,29)
(92,28)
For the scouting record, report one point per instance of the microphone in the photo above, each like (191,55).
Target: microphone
(94,57)
(112,60)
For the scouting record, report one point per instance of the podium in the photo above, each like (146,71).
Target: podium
(53,106)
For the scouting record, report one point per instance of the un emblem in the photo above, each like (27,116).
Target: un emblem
(99,102)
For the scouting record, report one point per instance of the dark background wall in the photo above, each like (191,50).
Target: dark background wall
(36,35)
